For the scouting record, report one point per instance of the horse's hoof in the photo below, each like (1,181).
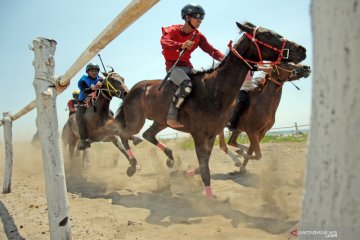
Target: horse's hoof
(240,152)
(224,149)
(170,163)
(242,170)
(137,140)
(131,171)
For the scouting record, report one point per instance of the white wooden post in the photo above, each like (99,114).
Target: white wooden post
(332,185)
(8,152)
(53,164)
(296,129)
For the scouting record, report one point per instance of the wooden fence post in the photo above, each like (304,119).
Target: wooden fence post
(331,201)
(53,164)
(296,129)
(8,152)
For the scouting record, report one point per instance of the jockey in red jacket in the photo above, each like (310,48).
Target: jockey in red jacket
(185,38)
(73,103)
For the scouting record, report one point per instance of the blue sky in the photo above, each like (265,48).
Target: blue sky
(136,53)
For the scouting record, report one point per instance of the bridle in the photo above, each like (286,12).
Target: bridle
(110,89)
(282,81)
(283,52)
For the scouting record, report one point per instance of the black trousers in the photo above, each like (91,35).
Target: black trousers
(241,106)
(80,119)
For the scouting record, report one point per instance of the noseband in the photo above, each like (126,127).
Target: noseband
(257,42)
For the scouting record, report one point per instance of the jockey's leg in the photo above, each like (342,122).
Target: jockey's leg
(80,118)
(241,106)
(180,78)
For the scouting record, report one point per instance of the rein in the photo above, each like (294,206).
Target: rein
(257,42)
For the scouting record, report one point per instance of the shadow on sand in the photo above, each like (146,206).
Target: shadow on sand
(190,208)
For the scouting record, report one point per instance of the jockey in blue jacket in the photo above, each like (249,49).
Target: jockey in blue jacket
(87,84)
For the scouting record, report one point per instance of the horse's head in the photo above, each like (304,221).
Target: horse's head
(289,72)
(114,85)
(268,45)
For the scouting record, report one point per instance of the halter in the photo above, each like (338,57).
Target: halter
(110,88)
(257,42)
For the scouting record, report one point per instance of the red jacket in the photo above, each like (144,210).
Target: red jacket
(171,41)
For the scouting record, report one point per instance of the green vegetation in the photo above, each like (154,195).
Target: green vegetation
(188,143)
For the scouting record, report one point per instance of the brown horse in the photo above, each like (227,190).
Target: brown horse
(97,117)
(206,109)
(259,117)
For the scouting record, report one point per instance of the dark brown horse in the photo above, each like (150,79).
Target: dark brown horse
(259,117)
(206,109)
(97,117)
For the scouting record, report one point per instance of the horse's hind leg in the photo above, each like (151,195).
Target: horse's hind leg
(150,135)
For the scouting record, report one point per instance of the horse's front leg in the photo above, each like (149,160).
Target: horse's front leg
(150,135)
(203,147)
(136,140)
(118,144)
(229,152)
(130,156)
(254,146)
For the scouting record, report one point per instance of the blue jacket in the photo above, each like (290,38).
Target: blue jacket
(85,82)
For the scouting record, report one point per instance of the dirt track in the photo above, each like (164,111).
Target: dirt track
(264,203)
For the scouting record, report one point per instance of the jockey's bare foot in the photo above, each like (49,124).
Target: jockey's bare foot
(174,123)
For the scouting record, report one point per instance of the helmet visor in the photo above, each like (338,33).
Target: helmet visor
(197,16)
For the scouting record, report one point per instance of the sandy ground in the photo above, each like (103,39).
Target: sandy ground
(158,203)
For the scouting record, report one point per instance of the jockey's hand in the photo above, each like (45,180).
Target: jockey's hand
(187,45)
(98,85)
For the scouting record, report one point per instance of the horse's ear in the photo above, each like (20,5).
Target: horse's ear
(105,74)
(246,27)
(111,69)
